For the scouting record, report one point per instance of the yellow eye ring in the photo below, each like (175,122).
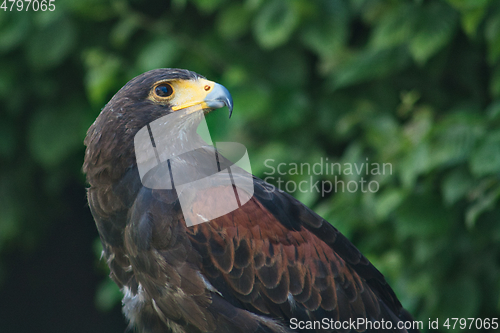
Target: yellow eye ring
(164,90)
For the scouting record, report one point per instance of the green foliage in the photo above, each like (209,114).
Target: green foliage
(412,83)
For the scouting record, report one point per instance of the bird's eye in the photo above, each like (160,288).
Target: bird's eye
(164,90)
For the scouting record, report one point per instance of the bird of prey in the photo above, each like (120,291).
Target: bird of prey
(271,265)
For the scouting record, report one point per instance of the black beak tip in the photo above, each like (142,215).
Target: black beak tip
(229,102)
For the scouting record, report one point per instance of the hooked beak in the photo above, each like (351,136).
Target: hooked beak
(200,94)
(218,98)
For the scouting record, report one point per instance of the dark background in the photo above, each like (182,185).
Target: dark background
(411,83)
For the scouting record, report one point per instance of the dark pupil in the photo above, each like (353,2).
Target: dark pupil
(164,90)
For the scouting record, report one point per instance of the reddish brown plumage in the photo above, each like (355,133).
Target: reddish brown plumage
(274,261)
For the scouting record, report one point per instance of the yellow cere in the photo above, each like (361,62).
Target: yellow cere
(187,93)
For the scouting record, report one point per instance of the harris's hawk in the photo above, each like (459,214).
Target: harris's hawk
(271,265)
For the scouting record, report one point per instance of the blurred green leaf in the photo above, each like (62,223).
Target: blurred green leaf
(472,19)
(370,65)
(253,100)
(436,26)
(50,45)
(493,111)
(396,27)
(472,13)
(288,69)
(233,21)
(492,34)
(159,53)
(108,295)
(422,215)
(102,72)
(494,86)
(484,203)
(383,132)
(388,201)
(455,186)
(9,213)
(454,138)
(465,5)
(275,23)
(415,162)
(53,134)
(452,304)
(13,29)
(486,158)
(98,10)
(420,126)
(7,140)
(208,6)
(328,32)
(123,31)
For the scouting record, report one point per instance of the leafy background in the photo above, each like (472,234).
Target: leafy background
(411,83)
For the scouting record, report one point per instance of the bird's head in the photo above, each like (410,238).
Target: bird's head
(143,99)
(163,91)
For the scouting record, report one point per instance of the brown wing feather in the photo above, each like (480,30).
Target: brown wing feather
(279,262)
(283,260)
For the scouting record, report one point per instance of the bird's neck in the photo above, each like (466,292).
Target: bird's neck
(111,150)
